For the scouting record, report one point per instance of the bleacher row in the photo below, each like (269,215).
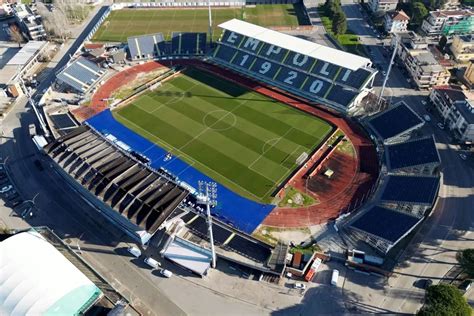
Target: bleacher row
(410,187)
(154,45)
(81,74)
(315,78)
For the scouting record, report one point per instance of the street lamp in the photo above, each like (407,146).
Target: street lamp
(208,195)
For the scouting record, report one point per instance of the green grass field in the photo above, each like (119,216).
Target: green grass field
(238,137)
(121,24)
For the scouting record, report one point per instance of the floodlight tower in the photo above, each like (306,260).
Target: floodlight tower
(208,196)
(210,20)
(388,73)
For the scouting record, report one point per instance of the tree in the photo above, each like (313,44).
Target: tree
(444,299)
(419,12)
(466,260)
(442,42)
(331,7)
(339,23)
(15,34)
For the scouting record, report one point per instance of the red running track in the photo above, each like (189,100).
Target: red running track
(356,175)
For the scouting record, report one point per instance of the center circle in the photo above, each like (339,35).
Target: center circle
(219,120)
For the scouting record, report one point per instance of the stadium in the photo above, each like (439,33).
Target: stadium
(266,116)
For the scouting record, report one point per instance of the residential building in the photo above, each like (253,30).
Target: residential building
(448,23)
(396,21)
(424,68)
(30,22)
(463,48)
(382,5)
(451,5)
(456,108)
(468,76)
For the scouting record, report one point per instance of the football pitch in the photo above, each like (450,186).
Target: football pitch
(240,138)
(121,24)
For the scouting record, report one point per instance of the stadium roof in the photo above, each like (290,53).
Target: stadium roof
(412,153)
(189,255)
(149,45)
(386,223)
(81,74)
(37,279)
(295,44)
(395,121)
(410,189)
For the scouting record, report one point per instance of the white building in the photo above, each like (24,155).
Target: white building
(448,22)
(396,21)
(463,48)
(382,5)
(30,23)
(457,110)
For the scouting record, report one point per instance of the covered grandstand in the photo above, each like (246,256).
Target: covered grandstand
(383,228)
(395,124)
(414,156)
(134,196)
(37,279)
(318,73)
(80,75)
(146,46)
(411,194)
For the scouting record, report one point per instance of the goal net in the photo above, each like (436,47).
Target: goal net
(301,158)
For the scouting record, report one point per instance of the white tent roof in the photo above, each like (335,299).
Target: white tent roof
(36,279)
(189,255)
(295,44)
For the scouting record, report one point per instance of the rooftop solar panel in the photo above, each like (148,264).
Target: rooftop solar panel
(395,121)
(62,121)
(411,189)
(385,223)
(250,249)
(413,153)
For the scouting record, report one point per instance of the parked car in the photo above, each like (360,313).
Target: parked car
(300,286)
(463,156)
(427,118)
(5,189)
(134,251)
(152,262)
(166,273)
(424,102)
(465,286)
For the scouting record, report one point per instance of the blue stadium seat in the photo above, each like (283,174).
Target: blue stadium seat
(265,68)
(316,86)
(325,69)
(341,95)
(290,77)
(232,38)
(188,43)
(243,60)
(299,61)
(225,53)
(353,79)
(251,45)
(273,52)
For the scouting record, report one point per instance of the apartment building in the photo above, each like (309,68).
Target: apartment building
(30,22)
(396,21)
(457,111)
(448,23)
(463,48)
(468,76)
(421,64)
(382,5)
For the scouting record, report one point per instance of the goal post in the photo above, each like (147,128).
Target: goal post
(301,158)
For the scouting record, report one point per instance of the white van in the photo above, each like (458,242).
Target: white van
(152,262)
(334,277)
(134,251)
(166,273)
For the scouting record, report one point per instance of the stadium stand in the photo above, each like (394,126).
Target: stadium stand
(410,194)
(395,124)
(111,174)
(188,43)
(146,46)
(382,228)
(414,156)
(318,73)
(80,75)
